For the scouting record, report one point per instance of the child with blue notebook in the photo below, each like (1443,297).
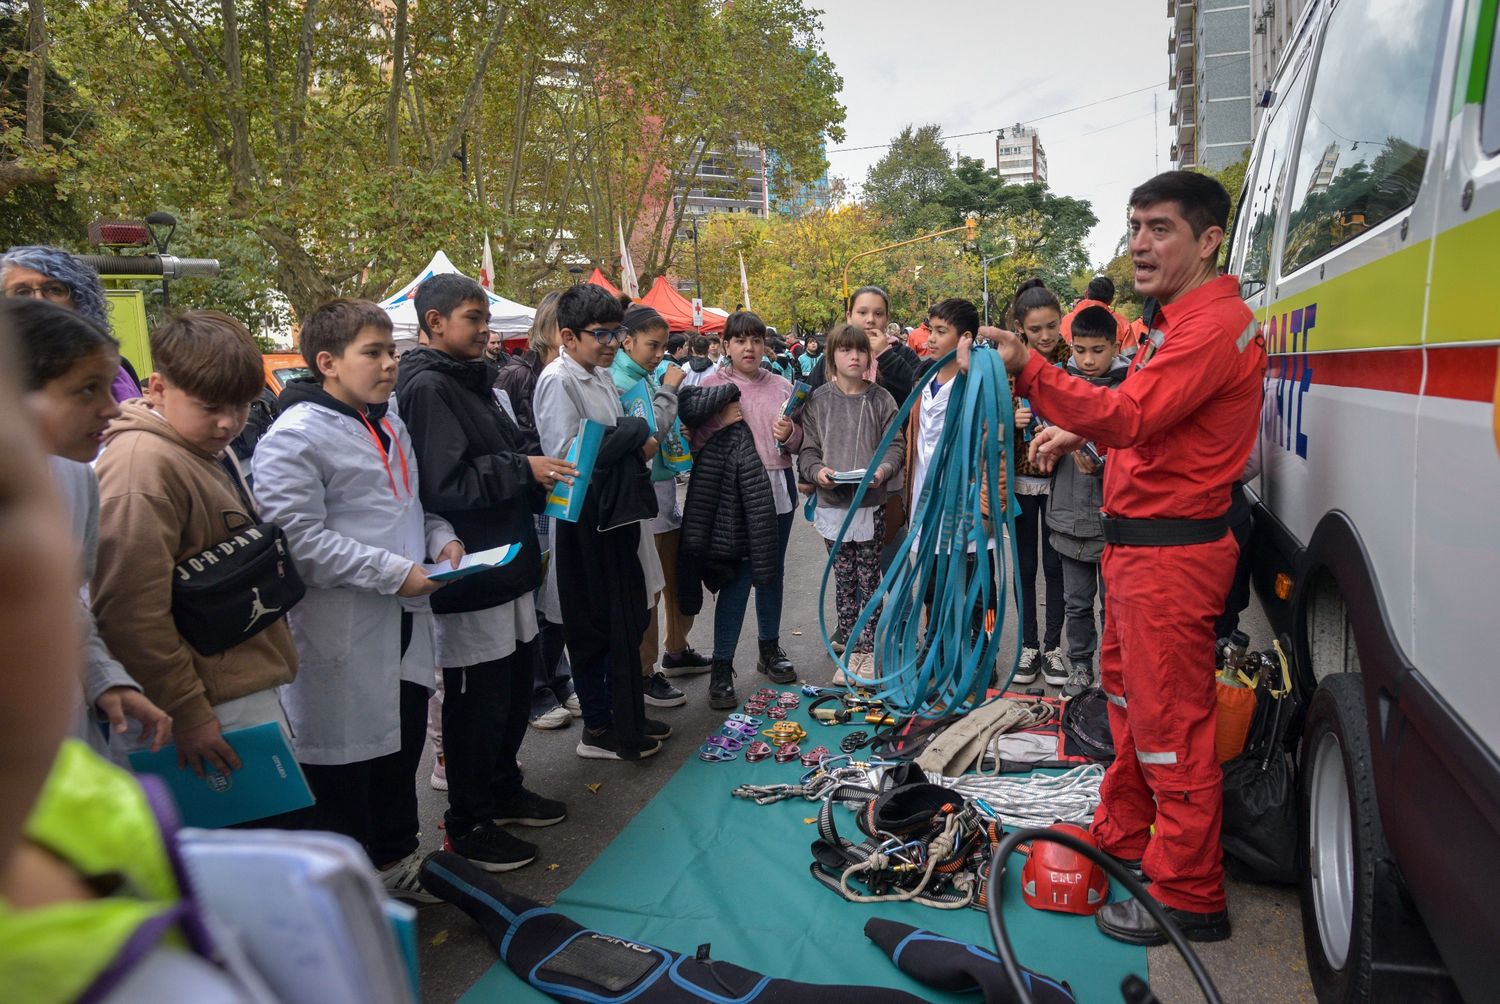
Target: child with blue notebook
(337,473)
(634,373)
(606,564)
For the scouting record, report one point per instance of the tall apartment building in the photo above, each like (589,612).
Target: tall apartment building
(1209,55)
(729,181)
(1273,23)
(1019,156)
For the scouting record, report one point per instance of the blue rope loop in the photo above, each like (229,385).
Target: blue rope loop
(927,664)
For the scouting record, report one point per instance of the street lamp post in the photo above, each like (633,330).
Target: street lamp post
(984,267)
(697,267)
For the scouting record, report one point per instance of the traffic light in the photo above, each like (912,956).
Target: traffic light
(971,229)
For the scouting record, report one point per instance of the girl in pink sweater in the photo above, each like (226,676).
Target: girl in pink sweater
(763,397)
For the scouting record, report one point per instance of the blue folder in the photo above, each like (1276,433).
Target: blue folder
(268,783)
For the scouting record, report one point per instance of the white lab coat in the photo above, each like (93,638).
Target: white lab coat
(355,526)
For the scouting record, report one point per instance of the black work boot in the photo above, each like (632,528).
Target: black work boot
(721,685)
(774,663)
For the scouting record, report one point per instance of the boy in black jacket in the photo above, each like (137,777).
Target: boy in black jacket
(476,475)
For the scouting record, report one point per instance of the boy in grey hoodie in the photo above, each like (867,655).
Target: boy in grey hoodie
(1074,513)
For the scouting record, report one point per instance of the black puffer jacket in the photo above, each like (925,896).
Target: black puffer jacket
(730,514)
(474,472)
(517,377)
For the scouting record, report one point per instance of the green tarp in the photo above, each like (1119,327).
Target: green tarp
(697,865)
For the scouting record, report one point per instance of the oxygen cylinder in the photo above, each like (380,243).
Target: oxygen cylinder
(1236,701)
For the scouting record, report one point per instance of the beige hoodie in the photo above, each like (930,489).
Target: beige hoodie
(162,500)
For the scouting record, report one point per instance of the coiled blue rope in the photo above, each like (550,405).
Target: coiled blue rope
(929,659)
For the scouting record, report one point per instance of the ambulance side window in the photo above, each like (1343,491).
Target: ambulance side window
(1259,214)
(1364,147)
(1489,125)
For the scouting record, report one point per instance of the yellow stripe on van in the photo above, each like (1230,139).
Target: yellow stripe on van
(1463,278)
(1376,306)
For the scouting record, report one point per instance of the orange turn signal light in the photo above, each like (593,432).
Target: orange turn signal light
(1283,586)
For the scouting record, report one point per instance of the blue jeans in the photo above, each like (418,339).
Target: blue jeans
(729,613)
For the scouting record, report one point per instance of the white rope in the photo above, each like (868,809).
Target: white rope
(1032,801)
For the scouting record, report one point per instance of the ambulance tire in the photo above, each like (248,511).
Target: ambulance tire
(1342,842)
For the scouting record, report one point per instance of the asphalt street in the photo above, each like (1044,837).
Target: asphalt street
(1262,962)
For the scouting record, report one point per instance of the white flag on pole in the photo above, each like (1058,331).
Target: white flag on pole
(744,283)
(487,267)
(629,284)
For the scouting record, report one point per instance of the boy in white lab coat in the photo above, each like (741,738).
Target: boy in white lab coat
(338,474)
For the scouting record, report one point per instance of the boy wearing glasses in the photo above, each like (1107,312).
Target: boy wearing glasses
(477,476)
(605,577)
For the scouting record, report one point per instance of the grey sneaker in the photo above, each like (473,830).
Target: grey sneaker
(403,880)
(1055,668)
(1081,679)
(1027,668)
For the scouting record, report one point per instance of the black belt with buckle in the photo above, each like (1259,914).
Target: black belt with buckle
(1163,532)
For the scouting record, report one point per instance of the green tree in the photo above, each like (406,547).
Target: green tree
(907,185)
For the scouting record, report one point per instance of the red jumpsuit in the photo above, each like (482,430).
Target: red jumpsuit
(1179,430)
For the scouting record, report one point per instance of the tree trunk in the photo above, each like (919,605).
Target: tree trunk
(473,93)
(36,75)
(393,99)
(242,159)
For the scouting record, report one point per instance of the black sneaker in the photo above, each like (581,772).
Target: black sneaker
(839,641)
(530,809)
(1055,668)
(1028,667)
(491,848)
(656,730)
(604,746)
(684,663)
(661,694)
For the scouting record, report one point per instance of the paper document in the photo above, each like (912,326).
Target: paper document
(849,477)
(470,564)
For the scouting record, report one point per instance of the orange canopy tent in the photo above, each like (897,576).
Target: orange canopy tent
(597,279)
(677,309)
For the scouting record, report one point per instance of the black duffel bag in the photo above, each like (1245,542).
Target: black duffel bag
(1259,833)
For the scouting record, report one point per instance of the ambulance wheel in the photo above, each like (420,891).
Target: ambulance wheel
(1341,842)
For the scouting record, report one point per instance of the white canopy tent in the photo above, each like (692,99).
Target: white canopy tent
(506,316)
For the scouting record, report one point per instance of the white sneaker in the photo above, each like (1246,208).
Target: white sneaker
(1026,669)
(574,708)
(403,880)
(439,773)
(1056,670)
(553,718)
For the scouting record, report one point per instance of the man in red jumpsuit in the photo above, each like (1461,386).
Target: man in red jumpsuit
(1178,432)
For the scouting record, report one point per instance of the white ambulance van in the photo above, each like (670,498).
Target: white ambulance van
(1367,242)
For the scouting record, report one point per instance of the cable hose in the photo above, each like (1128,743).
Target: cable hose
(935,668)
(994,886)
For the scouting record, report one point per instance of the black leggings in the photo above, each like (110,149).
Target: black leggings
(1031,532)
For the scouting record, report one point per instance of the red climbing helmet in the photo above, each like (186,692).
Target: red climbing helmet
(1057,878)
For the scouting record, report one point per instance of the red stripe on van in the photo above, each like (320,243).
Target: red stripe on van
(1459,372)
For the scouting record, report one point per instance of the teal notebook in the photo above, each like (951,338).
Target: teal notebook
(268,783)
(636,403)
(565,501)
(472,564)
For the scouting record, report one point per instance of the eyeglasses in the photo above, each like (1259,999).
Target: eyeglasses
(608,335)
(47,290)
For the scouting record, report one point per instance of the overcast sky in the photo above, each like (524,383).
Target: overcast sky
(973,65)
